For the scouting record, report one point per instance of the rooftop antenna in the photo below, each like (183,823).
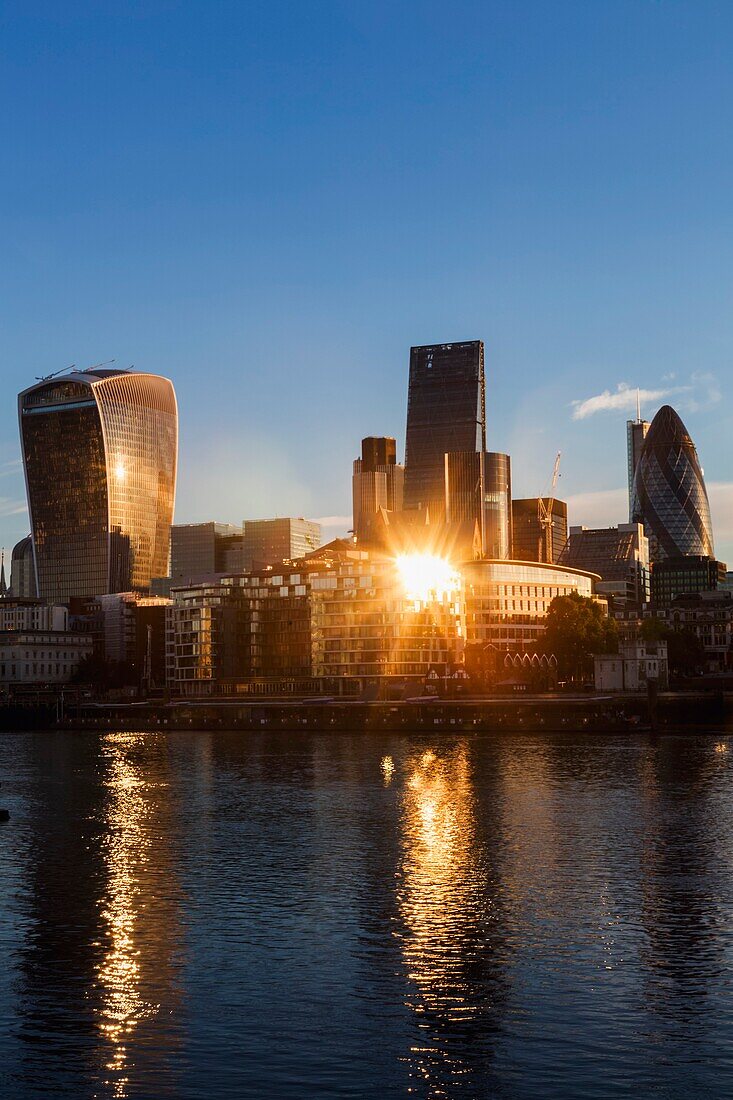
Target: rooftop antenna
(98,365)
(638,406)
(56,373)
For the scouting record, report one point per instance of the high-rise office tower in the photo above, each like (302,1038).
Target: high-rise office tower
(271,541)
(620,557)
(446,412)
(636,432)
(100,452)
(669,495)
(478,487)
(22,570)
(531,540)
(377,482)
(203,549)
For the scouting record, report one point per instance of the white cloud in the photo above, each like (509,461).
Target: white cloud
(701,392)
(9,507)
(624,398)
(603,508)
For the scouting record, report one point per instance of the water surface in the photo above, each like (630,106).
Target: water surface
(303,915)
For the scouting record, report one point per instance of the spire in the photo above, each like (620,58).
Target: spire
(3,585)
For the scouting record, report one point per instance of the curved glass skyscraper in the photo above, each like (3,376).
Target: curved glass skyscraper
(669,495)
(100,451)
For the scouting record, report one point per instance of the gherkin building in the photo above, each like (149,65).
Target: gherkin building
(669,495)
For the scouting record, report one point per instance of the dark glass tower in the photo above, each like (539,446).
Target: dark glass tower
(669,495)
(99,452)
(446,412)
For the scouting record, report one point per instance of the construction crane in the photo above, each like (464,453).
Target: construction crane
(544,517)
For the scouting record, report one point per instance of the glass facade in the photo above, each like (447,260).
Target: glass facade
(669,495)
(673,577)
(530,538)
(446,412)
(199,550)
(478,488)
(100,453)
(636,433)
(620,555)
(271,541)
(377,483)
(348,614)
(506,602)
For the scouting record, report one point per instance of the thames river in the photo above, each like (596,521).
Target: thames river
(333,915)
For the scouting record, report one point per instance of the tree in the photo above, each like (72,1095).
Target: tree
(576,627)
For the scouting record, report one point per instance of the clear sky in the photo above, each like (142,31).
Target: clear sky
(269,202)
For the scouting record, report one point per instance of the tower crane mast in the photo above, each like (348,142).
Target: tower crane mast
(544,516)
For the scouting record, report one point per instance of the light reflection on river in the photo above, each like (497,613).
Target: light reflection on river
(340,915)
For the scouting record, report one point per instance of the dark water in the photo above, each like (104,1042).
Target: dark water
(195,915)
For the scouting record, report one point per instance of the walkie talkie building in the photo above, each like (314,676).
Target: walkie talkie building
(100,452)
(669,495)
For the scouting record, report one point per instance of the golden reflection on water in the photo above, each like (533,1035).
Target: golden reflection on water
(443,906)
(136,942)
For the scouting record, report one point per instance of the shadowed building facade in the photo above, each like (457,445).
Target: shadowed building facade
(446,412)
(99,453)
(532,541)
(669,495)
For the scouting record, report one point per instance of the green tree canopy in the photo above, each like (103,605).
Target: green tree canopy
(576,627)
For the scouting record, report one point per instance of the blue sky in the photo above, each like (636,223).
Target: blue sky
(269,202)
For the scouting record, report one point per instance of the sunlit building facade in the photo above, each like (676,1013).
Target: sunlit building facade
(377,483)
(478,488)
(100,454)
(507,601)
(351,617)
(446,412)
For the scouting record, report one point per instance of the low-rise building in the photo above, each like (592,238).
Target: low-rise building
(709,615)
(32,614)
(41,656)
(507,601)
(344,614)
(632,667)
(673,577)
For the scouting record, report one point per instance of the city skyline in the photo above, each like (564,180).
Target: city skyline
(325,192)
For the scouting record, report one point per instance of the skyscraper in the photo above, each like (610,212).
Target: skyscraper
(377,482)
(478,487)
(531,540)
(99,452)
(636,432)
(446,412)
(669,495)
